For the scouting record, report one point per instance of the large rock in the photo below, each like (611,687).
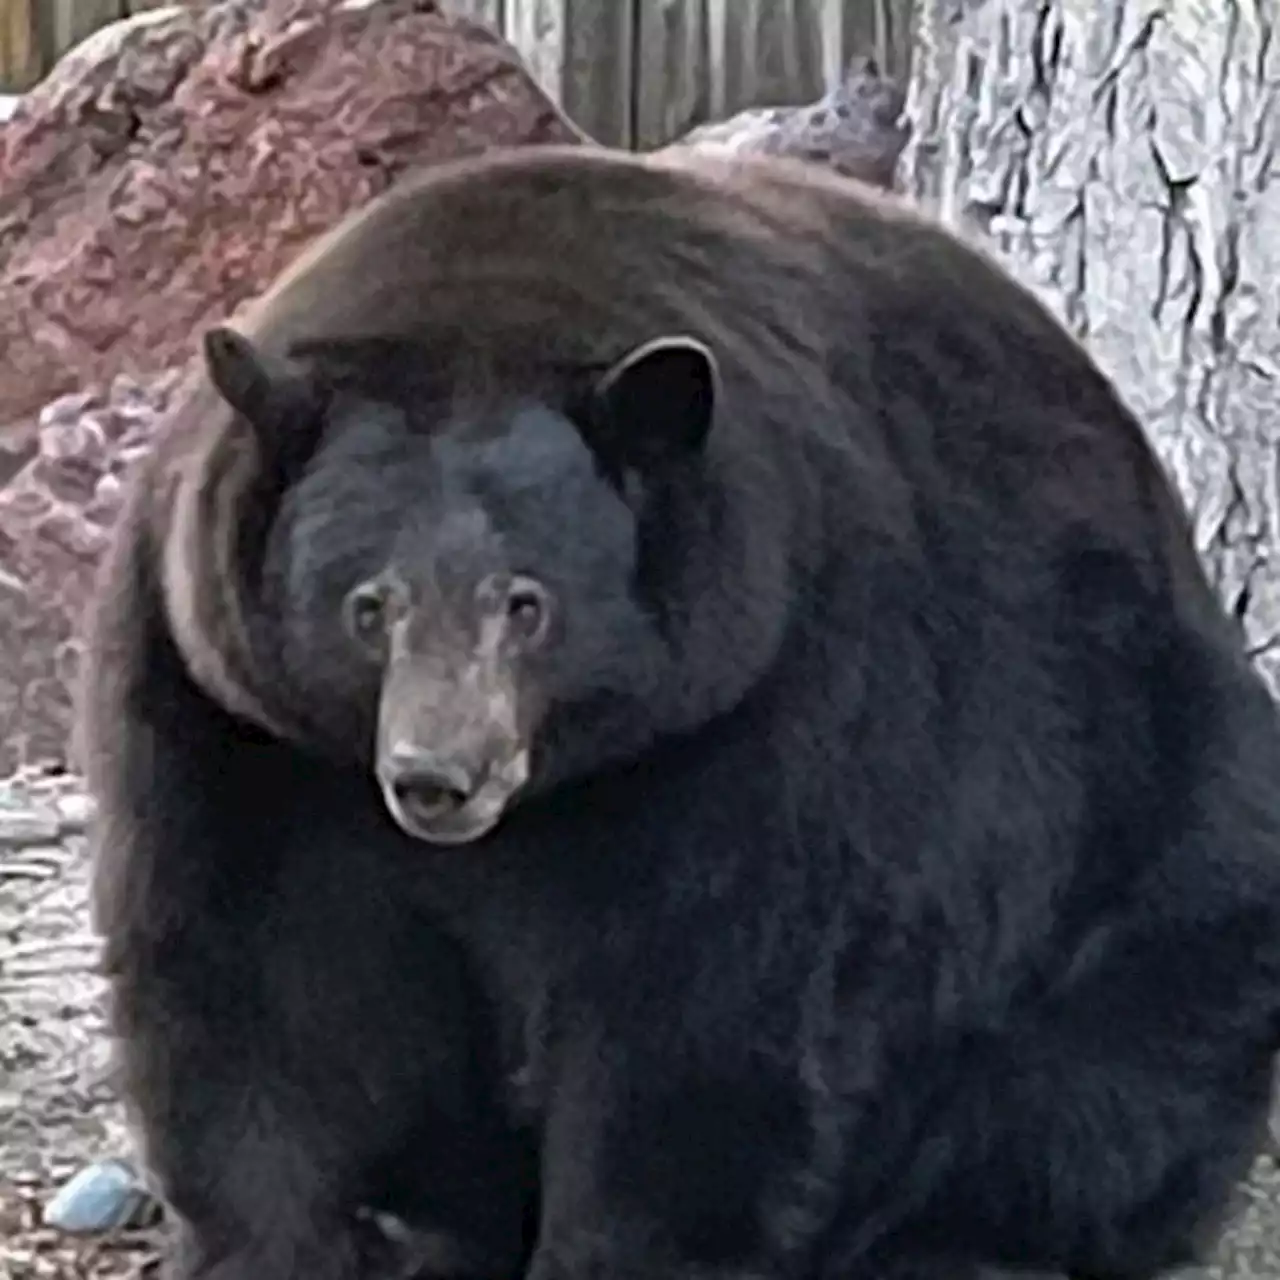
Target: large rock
(173,164)
(858,128)
(164,173)
(55,514)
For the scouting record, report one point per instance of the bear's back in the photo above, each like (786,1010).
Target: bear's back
(508,265)
(826,302)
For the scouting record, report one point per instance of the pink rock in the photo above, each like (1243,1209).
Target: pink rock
(55,518)
(169,168)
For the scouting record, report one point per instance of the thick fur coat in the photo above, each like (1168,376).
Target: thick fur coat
(673,691)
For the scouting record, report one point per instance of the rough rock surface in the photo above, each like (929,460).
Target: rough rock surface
(163,174)
(55,513)
(858,128)
(173,164)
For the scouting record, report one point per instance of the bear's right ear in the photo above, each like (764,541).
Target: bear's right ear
(655,406)
(261,389)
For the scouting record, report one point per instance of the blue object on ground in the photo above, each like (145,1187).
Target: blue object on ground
(102,1196)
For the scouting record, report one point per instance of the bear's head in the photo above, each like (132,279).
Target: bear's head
(486,600)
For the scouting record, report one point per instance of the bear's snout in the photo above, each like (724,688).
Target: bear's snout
(447,797)
(429,783)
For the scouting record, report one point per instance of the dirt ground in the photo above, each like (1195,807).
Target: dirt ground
(56,1107)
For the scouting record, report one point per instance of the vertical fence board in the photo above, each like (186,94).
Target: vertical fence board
(724,20)
(894,26)
(671,77)
(600,68)
(881,28)
(20,60)
(582,52)
(64,23)
(762,52)
(491,12)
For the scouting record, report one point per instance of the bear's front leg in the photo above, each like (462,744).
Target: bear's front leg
(334,1250)
(252,1189)
(655,1165)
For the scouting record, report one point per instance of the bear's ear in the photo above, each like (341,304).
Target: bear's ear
(656,405)
(265,391)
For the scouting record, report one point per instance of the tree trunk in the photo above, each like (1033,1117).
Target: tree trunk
(1118,154)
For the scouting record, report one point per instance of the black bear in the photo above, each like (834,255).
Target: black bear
(739,618)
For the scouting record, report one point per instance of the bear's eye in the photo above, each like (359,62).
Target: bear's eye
(528,610)
(365,614)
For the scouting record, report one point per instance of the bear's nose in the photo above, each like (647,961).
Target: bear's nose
(427,785)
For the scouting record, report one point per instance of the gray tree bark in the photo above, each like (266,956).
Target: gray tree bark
(1119,156)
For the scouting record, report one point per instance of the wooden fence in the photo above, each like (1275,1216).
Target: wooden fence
(641,72)
(633,73)
(33,33)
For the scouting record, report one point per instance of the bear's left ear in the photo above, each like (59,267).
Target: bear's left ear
(656,405)
(269,393)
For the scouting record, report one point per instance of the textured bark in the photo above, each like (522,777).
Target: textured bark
(1118,154)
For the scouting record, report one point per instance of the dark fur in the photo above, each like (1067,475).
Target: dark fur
(897,892)
(293,1039)
(298,1043)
